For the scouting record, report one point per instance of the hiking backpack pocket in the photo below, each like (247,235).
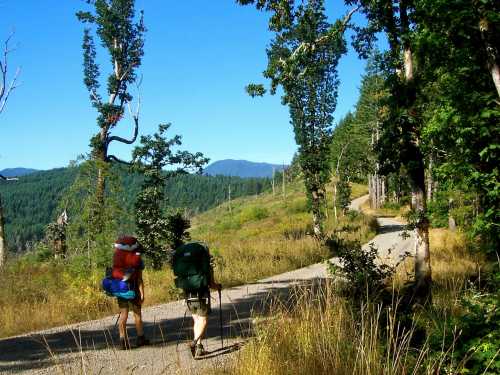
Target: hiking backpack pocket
(191,283)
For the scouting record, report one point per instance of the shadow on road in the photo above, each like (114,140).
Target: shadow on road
(41,351)
(389,228)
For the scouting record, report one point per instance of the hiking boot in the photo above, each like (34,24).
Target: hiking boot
(141,341)
(192,348)
(199,351)
(124,344)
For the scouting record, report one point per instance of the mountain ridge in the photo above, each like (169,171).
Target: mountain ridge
(242,168)
(17,172)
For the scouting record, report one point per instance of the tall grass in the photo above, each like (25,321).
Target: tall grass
(324,334)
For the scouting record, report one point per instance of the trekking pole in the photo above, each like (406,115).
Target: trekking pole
(220,319)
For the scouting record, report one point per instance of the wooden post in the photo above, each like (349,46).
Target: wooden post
(3,245)
(272,181)
(283,172)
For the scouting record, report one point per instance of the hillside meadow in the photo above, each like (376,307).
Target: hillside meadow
(250,238)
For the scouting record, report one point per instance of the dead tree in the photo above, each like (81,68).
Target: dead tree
(56,235)
(3,242)
(7,87)
(376,182)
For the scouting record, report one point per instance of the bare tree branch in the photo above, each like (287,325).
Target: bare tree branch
(135,118)
(4,90)
(113,158)
(324,39)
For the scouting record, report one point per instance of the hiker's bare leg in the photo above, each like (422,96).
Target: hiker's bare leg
(139,326)
(122,322)
(199,328)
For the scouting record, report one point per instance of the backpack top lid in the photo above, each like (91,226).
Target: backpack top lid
(127,258)
(127,243)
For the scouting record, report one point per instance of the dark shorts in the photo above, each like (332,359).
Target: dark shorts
(130,304)
(199,304)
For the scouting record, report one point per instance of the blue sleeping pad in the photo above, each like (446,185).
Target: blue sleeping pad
(117,288)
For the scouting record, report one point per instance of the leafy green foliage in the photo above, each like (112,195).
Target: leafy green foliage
(364,275)
(303,59)
(460,105)
(476,349)
(153,225)
(344,194)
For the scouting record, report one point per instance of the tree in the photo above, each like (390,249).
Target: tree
(303,59)
(121,35)
(156,229)
(458,98)
(5,90)
(401,142)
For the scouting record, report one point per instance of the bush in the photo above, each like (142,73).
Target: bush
(253,213)
(358,266)
(477,350)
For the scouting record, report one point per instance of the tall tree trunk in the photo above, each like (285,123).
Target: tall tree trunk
(383,190)
(317,215)
(3,244)
(335,198)
(423,273)
(491,51)
(101,156)
(430,179)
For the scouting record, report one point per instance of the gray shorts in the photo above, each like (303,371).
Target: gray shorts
(199,304)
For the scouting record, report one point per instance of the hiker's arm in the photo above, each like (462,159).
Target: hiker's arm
(141,286)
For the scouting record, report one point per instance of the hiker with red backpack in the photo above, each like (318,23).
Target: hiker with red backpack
(126,284)
(195,276)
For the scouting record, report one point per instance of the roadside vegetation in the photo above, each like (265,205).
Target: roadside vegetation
(327,332)
(250,238)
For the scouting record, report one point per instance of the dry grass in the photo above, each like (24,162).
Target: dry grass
(453,265)
(323,334)
(396,213)
(259,237)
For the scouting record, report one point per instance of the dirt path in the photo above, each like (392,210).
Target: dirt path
(88,347)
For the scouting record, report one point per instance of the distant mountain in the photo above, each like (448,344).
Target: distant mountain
(17,172)
(241,168)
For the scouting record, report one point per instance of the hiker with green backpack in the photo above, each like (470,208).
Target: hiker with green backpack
(194,275)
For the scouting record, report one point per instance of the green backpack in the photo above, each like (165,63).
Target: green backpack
(191,265)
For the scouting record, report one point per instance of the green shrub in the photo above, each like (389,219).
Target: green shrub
(359,267)
(477,350)
(297,206)
(253,213)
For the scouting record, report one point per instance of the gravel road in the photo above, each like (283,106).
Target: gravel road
(88,347)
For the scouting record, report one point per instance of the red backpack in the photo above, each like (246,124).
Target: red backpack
(127,258)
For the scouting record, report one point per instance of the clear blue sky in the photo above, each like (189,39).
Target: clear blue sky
(199,55)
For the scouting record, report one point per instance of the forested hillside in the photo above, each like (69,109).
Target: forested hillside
(33,201)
